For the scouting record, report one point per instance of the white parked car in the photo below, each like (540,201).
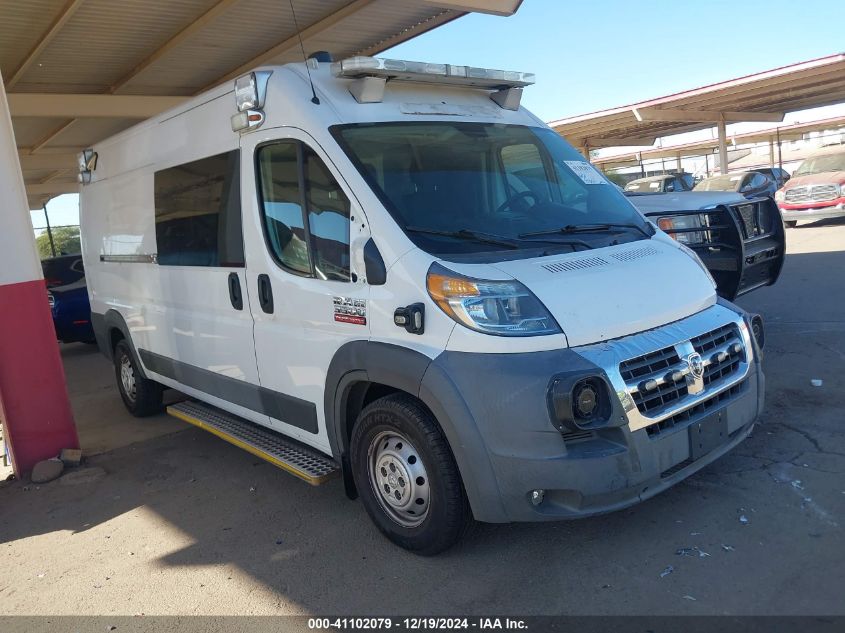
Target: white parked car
(402,276)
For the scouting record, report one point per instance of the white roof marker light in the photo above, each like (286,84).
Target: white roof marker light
(371,74)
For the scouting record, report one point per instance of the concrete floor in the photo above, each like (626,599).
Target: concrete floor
(179,522)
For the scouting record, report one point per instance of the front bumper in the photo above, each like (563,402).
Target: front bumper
(505,397)
(819,211)
(615,470)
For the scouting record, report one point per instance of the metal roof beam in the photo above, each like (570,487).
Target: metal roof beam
(705,116)
(64,15)
(90,106)
(504,8)
(51,188)
(292,42)
(193,28)
(35,162)
(51,135)
(618,141)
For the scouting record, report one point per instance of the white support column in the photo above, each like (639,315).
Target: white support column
(771,152)
(723,146)
(34,406)
(678,162)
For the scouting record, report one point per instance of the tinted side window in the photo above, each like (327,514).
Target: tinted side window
(328,220)
(198,213)
(281,198)
(293,179)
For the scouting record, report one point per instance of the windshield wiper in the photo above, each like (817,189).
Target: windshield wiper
(569,229)
(466,234)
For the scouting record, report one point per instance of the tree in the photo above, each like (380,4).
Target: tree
(65,238)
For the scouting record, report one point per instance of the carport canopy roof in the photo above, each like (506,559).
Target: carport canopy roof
(790,132)
(764,96)
(78,71)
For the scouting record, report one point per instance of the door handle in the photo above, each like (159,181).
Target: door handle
(235,295)
(265,293)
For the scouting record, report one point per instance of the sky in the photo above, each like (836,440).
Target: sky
(598,54)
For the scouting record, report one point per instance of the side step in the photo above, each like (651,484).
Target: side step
(286,453)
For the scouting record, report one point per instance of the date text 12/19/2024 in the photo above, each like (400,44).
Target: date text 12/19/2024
(416,624)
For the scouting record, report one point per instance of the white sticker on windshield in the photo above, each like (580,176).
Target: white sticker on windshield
(588,174)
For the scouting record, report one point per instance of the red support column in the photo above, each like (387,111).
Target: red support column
(34,406)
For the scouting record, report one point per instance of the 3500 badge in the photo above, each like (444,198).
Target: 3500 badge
(348,310)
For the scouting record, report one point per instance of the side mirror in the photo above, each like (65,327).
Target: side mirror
(374,264)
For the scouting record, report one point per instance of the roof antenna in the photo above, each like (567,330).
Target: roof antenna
(314,99)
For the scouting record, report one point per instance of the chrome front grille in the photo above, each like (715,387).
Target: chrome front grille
(651,368)
(812,193)
(648,363)
(664,376)
(720,347)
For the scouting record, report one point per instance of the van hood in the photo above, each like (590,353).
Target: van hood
(822,178)
(618,290)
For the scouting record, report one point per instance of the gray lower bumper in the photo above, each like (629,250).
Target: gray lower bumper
(608,473)
(495,410)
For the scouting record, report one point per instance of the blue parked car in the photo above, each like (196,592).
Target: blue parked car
(68,298)
(62,270)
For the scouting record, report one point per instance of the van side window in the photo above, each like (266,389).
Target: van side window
(295,185)
(198,213)
(282,206)
(328,219)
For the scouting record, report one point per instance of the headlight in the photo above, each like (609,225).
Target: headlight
(503,308)
(779,195)
(675,222)
(842,190)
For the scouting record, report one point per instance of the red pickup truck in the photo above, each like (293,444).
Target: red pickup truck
(816,189)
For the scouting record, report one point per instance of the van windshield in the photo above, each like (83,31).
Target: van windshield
(473,187)
(820,164)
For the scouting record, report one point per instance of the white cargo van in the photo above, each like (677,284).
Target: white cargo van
(392,272)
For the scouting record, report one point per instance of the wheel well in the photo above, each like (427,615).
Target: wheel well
(115,336)
(360,395)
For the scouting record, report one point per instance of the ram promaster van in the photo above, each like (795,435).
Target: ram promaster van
(390,271)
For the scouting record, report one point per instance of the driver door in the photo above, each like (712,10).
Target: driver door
(306,297)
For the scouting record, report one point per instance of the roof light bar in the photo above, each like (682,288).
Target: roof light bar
(489,78)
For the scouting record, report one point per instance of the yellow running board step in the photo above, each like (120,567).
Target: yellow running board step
(287,454)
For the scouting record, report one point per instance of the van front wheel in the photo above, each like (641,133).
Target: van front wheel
(407,477)
(142,397)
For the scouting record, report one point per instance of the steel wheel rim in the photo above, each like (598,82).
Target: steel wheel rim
(399,479)
(127,377)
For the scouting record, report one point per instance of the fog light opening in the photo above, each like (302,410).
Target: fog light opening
(537,496)
(590,403)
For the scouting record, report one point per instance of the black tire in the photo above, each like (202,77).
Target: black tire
(790,224)
(146,397)
(447,516)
